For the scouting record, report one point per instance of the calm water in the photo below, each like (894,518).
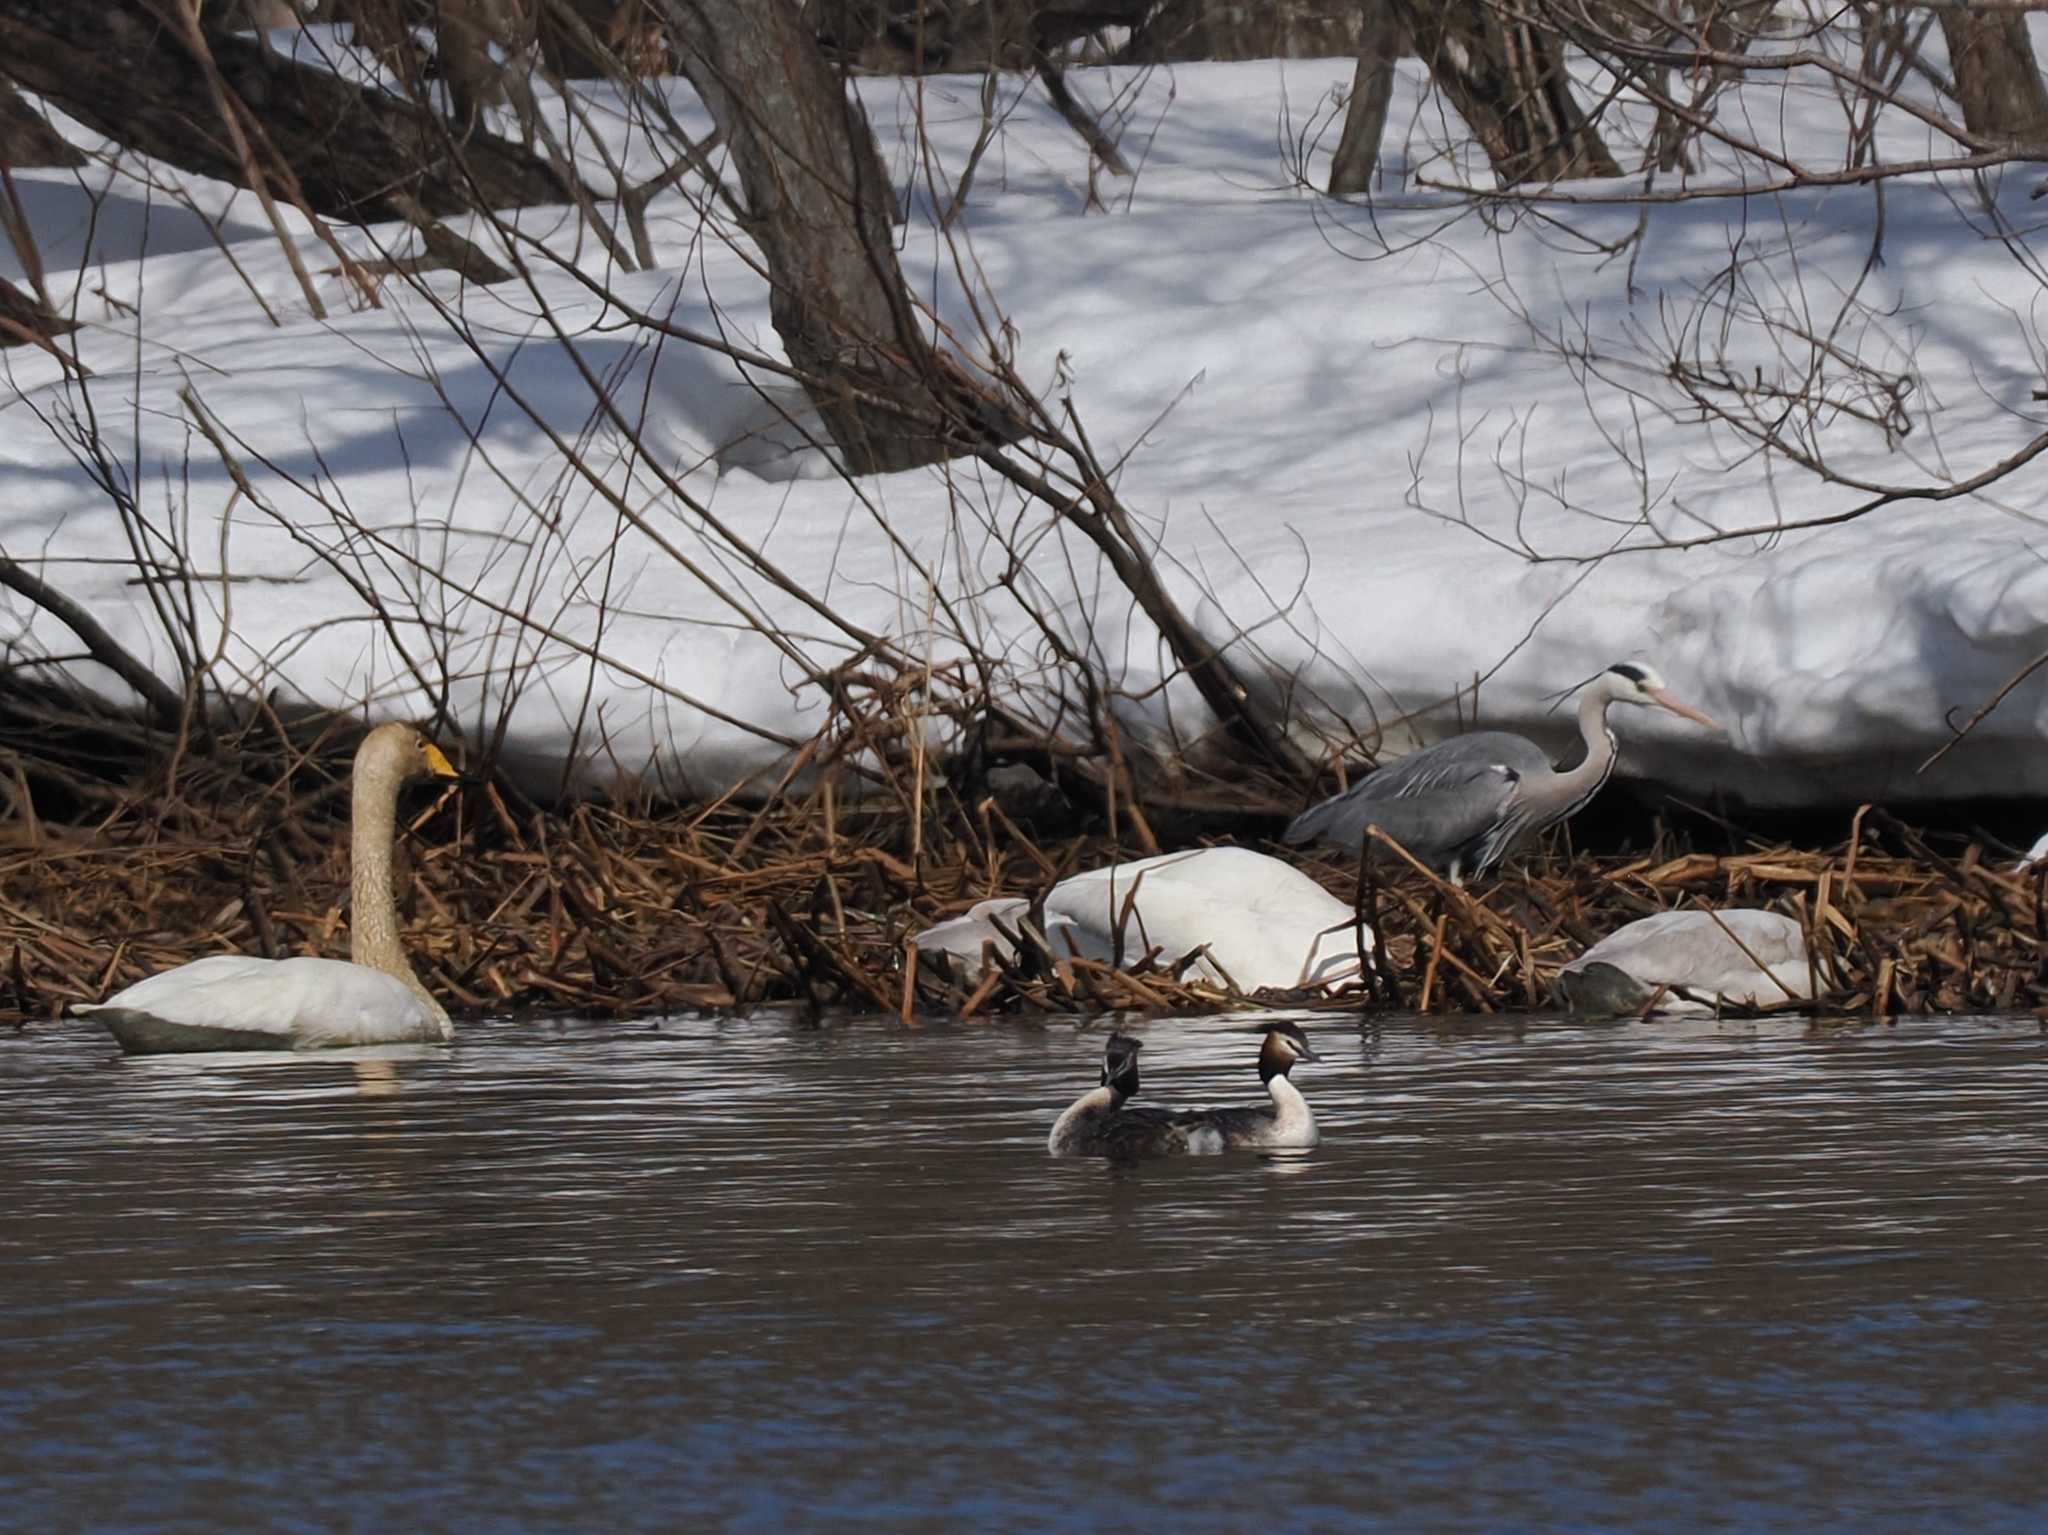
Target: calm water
(754,1275)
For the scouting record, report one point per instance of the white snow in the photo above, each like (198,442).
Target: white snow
(1377,446)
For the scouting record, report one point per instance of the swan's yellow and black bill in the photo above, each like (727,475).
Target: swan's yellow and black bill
(438,761)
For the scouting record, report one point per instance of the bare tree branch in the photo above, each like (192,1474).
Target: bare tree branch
(165,706)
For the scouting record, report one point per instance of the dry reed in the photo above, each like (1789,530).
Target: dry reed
(600,910)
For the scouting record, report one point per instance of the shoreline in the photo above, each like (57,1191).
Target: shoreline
(598,911)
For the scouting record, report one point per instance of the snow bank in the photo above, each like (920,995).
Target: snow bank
(1415,466)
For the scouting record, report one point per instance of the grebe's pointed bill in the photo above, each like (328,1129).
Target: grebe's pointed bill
(1283,1048)
(1297,1040)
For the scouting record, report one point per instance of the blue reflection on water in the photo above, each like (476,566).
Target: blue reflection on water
(750,1276)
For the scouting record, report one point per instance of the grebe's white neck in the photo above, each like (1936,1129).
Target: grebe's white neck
(1096,1103)
(1294,1122)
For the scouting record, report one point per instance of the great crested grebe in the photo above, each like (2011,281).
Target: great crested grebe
(1285,1124)
(1099,1123)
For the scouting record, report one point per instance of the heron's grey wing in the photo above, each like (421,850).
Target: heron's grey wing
(1433,801)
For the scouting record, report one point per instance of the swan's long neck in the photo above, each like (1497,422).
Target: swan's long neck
(1583,782)
(373,922)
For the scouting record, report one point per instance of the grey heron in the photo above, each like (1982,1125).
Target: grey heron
(1463,804)
(1700,960)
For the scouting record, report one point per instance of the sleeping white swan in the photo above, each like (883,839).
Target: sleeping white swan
(238,1002)
(1694,958)
(1264,921)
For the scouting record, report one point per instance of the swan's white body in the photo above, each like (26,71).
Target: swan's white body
(1692,955)
(2035,854)
(240,1002)
(1265,923)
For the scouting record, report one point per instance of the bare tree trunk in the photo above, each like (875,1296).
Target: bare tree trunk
(1998,84)
(384,27)
(629,29)
(820,206)
(1182,30)
(248,15)
(478,42)
(26,141)
(1102,147)
(915,36)
(1506,76)
(1372,89)
(357,154)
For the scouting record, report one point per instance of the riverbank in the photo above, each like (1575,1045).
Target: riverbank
(1372,449)
(115,866)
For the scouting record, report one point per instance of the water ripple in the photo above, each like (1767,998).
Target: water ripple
(1724,1276)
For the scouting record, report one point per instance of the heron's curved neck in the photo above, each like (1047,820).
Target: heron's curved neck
(1584,781)
(373,911)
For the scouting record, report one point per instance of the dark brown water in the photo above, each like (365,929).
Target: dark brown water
(752,1275)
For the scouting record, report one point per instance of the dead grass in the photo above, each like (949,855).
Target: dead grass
(600,910)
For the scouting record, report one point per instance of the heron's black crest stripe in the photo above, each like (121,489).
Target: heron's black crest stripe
(1631,671)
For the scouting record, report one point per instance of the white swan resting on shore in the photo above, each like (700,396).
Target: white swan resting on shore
(1264,923)
(242,1002)
(1698,958)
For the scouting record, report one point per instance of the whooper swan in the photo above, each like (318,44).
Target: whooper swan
(1259,921)
(1691,964)
(239,1002)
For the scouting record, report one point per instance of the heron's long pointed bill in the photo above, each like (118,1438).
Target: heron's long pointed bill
(1686,711)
